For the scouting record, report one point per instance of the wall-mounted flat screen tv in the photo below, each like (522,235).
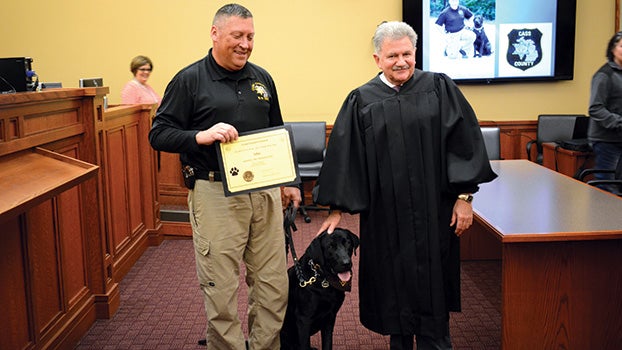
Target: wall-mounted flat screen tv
(489,41)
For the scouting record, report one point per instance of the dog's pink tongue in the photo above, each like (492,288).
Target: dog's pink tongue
(345,276)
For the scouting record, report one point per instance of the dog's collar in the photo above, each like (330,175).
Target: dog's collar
(336,283)
(328,281)
(314,267)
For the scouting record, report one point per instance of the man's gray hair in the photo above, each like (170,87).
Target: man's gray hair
(231,10)
(394,31)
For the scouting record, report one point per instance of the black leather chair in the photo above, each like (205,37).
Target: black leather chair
(492,140)
(310,148)
(616,182)
(557,127)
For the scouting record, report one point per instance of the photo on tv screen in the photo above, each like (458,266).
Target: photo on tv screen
(494,40)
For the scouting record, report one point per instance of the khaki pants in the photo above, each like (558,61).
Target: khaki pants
(227,230)
(460,41)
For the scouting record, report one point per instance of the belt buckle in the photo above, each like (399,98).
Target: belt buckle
(210,176)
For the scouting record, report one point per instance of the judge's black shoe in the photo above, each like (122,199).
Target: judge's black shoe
(203,342)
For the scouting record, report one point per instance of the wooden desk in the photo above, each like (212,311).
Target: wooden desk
(564,160)
(561,258)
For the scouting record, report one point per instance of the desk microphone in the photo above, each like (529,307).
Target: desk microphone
(32,86)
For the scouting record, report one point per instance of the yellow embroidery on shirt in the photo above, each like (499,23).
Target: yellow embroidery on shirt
(261,91)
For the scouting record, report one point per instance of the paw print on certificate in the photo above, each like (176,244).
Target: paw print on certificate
(234,171)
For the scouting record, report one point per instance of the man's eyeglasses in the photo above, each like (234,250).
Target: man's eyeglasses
(144,69)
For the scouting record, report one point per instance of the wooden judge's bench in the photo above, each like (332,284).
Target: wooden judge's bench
(78,206)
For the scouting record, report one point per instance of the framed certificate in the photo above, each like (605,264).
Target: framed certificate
(258,160)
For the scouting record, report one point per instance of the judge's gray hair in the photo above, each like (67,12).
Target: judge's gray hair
(394,31)
(231,10)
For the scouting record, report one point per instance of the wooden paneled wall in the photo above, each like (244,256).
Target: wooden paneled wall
(514,137)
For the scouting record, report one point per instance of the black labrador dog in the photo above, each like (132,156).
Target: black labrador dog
(317,286)
(481,44)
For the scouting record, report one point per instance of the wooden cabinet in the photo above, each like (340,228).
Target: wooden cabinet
(514,137)
(565,161)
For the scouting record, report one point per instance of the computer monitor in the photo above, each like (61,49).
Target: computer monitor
(91,82)
(13,75)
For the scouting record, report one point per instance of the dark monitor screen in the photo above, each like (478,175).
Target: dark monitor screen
(12,74)
(91,82)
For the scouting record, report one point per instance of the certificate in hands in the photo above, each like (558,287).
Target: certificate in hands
(258,160)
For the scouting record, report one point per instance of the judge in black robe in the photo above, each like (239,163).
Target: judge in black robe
(400,160)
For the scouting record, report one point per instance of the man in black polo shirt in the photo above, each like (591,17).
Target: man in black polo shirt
(458,37)
(212,100)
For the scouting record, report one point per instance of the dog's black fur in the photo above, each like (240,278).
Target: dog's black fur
(314,306)
(481,44)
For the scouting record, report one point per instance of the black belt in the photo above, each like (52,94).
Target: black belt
(211,175)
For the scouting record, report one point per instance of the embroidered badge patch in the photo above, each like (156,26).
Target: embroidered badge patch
(524,49)
(261,91)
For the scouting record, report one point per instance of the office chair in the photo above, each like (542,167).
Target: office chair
(492,140)
(557,127)
(615,183)
(310,148)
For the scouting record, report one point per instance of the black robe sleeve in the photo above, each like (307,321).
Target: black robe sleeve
(466,157)
(343,181)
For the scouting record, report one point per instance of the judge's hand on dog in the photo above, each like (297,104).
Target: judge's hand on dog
(331,222)
(462,217)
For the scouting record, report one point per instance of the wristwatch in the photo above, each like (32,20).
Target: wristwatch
(467,197)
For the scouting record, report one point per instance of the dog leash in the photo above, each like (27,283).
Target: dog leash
(289,218)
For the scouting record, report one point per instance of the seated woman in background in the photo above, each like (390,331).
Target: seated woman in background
(137,90)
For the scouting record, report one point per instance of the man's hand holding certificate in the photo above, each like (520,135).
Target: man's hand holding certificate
(257,160)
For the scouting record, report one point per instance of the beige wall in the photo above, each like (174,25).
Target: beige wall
(317,51)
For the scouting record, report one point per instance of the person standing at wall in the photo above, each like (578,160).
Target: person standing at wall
(605,127)
(406,152)
(213,100)
(137,90)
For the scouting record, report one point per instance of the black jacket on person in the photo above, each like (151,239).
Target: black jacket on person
(606,104)
(400,159)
